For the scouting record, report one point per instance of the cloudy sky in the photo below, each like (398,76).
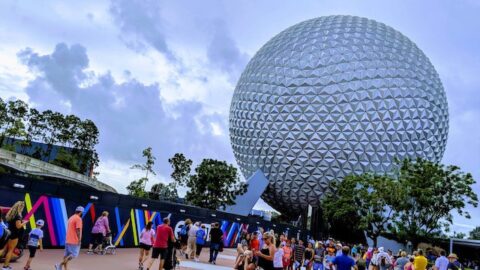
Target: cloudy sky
(162,73)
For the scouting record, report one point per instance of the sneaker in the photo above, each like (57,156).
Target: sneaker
(214,262)
(7,268)
(58,267)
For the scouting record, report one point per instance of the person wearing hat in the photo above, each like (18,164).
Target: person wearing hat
(454,263)
(34,241)
(73,239)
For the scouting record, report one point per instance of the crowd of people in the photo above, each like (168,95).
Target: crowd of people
(270,251)
(256,250)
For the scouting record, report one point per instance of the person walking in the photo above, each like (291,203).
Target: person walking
(164,236)
(191,241)
(343,261)
(73,239)
(16,227)
(147,237)
(216,238)
(402,261)
(183,235)
(441,263)
(34,241)
(99,231)
(420,262)
(200,241)
(454,263)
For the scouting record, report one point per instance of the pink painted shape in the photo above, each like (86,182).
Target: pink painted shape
(48,215)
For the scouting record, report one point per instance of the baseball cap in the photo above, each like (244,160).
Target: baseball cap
(40,222)
(79,209)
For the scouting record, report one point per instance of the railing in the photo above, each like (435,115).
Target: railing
(35,166)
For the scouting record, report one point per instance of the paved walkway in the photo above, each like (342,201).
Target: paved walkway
(125,259)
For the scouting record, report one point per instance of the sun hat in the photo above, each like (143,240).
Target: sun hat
(452,255)
(40,222)
(79,209)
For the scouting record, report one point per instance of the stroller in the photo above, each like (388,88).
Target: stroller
(108,246)
(172,261)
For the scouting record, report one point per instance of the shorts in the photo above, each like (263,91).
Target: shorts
(162,252)
(33,251)
(145,246)
(72,250)
(97,238)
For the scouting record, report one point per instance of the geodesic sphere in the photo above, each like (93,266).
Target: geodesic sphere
(334,96)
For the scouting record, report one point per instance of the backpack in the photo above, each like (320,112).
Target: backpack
(383,261)
(184,231)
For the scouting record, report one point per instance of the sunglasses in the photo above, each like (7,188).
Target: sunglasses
(264,238)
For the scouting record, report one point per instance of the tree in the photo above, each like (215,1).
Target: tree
(66,160)
(366,199)
(475,233)
(215,184)
(429,193)
(160,191)
(137,188)
(13,115)
(181,168)
(459,235)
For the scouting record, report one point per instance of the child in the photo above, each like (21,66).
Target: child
(34,240)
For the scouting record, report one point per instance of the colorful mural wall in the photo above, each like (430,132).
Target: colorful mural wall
(126,223)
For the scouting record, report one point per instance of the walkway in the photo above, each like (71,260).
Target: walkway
(124,259)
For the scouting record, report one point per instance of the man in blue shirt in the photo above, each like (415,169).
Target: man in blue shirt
(343,261)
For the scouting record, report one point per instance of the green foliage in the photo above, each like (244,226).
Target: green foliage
(66,160)
(365,199)
(137,188)
(150,161)
(429,193)
(215,184)
(475,233)
(459,235)
(181,168)
(26,125)
(161,191)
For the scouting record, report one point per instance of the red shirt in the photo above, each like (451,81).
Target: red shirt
(255,244)
(164,233)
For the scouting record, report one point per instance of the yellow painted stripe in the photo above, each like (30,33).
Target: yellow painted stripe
(28,204)
(152,216)
(122,233)
(134,227)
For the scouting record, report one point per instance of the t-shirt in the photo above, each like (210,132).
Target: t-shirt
(101,225)
(164,233)
(193,231)
(200,237)
(442,263)
(328,260)
(255,244)
(34,236)
(319,254)
(343,262)
(420,263)
(278,258)
(216,235)
(456,265)
(299,250)
(74,222)
(12,226)
(401,262)
(147,236)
